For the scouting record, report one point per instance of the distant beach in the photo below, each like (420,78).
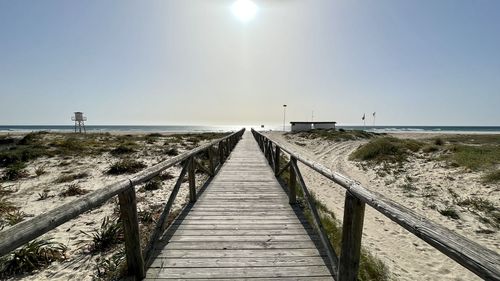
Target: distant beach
(199,129)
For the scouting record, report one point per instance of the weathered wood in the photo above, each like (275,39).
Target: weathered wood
(238,262)
(238,253)
(243,210)
(352,231)
(25,231)
(234,245)
(332,256)
(128,215)
(478,259)
(240,272)
(277,156)
(192,180)
(211,161)
(292,182)
(160,224)
(199,166)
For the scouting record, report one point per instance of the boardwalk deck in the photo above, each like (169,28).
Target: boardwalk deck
(241,227)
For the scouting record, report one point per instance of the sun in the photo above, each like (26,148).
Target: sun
(244,10)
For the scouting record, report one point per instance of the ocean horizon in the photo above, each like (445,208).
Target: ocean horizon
(228,128)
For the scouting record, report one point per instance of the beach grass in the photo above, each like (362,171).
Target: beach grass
(126,166)
(335,135)
(386,150)
(34,255)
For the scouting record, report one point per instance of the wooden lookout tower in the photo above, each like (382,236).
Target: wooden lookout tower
(79,122)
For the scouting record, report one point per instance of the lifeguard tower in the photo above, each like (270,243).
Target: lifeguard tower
(79,122)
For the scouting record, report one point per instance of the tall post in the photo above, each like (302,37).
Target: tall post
(277,160)
(284,116)
(128,214)
(211,164)
(292,196)
(192,180)
(352,230)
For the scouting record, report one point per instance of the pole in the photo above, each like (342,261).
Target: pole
(284,116)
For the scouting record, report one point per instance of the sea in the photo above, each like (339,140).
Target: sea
(229,128)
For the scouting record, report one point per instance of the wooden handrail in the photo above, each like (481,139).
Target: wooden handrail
(26,231)
(482,261)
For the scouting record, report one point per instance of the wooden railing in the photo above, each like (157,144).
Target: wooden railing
(483,262)
(26,231)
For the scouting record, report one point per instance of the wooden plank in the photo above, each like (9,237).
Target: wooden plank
(238,253)
(238,245)
(241,217)
(289,278)
(239,226)
(237,262)
(242,238)
(240,272)
(240,232)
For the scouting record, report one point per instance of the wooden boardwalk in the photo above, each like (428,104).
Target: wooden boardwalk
(241,227)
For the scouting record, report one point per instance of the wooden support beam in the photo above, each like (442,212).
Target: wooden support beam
(160,224)
(277,156)
(128,215)
(211,161)
(332,256)
(192,180)
(352,230)
(292,188)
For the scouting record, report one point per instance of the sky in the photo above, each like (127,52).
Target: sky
(193,62)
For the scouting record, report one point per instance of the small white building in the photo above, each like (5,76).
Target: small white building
(301,126)
(307,126)
(324,125)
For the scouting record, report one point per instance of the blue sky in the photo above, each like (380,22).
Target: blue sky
(192,62)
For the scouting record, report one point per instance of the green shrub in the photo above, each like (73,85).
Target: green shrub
(474,157)
(153,184)
(386,149)
(108,235)
(439,141)
(122,150)
(34,255)
(492,177)
(172,151)
(126,166)
(15,172)
(73,190)
(71,177)
(450,212)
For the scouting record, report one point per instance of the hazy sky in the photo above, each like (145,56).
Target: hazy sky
(425,62)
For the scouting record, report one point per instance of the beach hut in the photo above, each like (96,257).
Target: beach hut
(301,126)
(324,125)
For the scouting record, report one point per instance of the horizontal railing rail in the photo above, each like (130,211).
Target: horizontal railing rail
(23,232)
(482,261)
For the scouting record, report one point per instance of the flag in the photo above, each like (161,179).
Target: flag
(374,114)
(363,118)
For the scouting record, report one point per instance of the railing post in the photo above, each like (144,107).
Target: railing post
(221,153)
(211,164)
(192,180)
(352,230)
(277,160)
(128,214)
(292,196)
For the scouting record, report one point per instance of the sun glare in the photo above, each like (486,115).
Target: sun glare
(244,10)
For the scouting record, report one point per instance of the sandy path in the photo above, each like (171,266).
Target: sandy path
(407,257)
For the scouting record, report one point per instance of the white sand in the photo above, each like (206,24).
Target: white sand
(407,257)
(81,265)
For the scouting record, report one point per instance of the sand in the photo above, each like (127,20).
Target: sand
(80,265)
(407,257)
